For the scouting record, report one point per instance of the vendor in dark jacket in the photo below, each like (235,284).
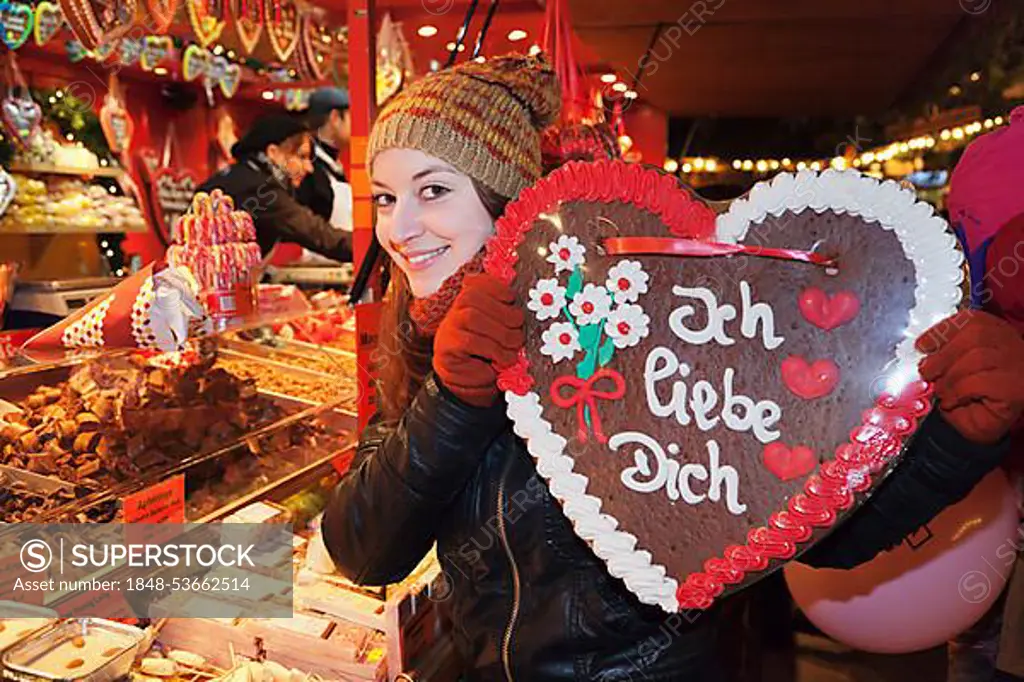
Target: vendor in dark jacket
(440,463)
(325,190)
(270,163)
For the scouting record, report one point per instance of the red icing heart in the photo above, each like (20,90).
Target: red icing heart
(828,312)
(699,493)
(787,463)
(809,380)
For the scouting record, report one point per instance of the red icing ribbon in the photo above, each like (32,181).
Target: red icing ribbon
(584,395)
(691,248)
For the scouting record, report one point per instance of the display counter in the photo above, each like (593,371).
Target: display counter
(258,427)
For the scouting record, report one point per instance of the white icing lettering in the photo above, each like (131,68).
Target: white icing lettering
(738,412)
(714,330)
(759,417)
(676,479)
(755,314)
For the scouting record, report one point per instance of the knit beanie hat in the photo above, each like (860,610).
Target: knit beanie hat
(484,119)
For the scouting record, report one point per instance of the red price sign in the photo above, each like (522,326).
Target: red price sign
(160,503)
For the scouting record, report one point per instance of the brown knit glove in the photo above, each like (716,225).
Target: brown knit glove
(482,331)
(976,362)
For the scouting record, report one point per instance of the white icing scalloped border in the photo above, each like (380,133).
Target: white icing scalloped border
(926,242)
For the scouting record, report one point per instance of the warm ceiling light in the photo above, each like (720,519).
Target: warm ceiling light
(816,166)
(710,165)
(515,35)
(630,94)
(620,87)
(955,90)
(160,71)
(427,31)
(748,165)
(534,50)
(773,164)
(762,166)
(267,95)
(451,46)
(609,78)
(737,164)
(687,168)
(481,59)
(975,77)
(671,165)
(998,120)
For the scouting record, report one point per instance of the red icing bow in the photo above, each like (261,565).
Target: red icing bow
(584,397)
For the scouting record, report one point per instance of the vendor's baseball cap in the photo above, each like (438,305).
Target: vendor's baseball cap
(326,100)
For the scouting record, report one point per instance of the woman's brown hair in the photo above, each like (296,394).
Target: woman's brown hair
(404,355)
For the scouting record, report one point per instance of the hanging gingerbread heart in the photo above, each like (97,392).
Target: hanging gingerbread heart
(161,12)
(168,191)
(282,23)
(155,49)
(48,21)
(230,79)
(76,51)
(249,21)
(21,116)
(95,22)
(129,51)
(195,62)
(709,397)
(207,19)
(105,49)
(8,189)
(317,47)
(117,124)
(16,20)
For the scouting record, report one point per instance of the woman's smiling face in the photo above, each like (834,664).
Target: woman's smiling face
(430,218)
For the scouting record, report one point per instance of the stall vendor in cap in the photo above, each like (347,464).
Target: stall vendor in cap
(271,161)
(326,191)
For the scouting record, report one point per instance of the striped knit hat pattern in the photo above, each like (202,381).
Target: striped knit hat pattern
(484,119)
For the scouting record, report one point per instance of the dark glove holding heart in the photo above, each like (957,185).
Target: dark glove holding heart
(976,362)
(482,331)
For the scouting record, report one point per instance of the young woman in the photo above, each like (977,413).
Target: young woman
(271,162)
(440,463)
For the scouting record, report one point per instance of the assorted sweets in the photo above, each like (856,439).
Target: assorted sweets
(69,204)
(117,416)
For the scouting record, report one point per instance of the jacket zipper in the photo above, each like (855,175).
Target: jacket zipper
(506,645)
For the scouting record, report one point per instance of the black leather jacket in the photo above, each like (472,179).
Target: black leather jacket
(530,601)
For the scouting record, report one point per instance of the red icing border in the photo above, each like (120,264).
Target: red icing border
(880,437)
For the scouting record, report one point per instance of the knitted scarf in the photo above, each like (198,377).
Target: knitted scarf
(428,312)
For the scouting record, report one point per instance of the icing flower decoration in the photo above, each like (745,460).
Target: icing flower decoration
(626,325)
(627,280)
(591,305)
(567,253)
(547,299)
(561,341)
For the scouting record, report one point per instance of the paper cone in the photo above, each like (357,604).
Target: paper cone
(152,309)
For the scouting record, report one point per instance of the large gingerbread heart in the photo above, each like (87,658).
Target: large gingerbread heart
(281,19)
(704,417)
(99,22)
(207,19)
(162,14)
(248,16)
